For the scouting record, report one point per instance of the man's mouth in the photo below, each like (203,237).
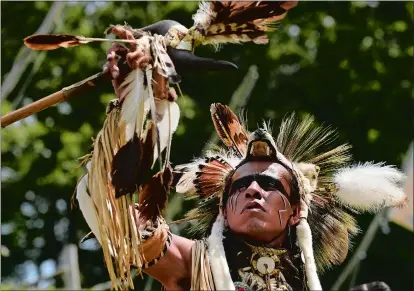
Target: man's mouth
(253,206)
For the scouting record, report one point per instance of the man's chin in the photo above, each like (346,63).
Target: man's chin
(254,225)
(256,230)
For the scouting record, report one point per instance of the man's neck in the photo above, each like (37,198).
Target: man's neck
(279,241)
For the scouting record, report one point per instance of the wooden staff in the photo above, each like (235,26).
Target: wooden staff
(55,98)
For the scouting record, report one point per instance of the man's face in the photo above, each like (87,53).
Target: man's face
(258,206)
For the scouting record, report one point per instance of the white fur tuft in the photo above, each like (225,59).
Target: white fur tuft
(217,257)
(204,14)
(370,187)
(304,237)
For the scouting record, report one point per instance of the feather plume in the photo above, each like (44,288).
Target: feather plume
(301,141)
(310,147)
(332,229)
(205,215)
(229,129)
(153,195)
(370,187)
(239,21)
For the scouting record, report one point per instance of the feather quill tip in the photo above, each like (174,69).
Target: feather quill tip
(370,187)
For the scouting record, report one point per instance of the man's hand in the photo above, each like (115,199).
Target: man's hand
(136,56)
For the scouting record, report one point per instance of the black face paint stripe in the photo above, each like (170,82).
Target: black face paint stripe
(236,198)
(264,181)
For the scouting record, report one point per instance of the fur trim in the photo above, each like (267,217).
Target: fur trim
(217,257)
(204,14)
(370,187)
(304,237)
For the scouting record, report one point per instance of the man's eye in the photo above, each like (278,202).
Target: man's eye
(268,186)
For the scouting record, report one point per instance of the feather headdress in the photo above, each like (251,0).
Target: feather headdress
(329,186)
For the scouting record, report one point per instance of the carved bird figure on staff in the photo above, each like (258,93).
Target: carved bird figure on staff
(144,64)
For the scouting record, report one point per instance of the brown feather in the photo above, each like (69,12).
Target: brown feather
(153,195)
(229,128)
(52,41)
(125,167)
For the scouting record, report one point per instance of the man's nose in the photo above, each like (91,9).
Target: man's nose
(254,191)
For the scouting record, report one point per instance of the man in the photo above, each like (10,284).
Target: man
(271,212)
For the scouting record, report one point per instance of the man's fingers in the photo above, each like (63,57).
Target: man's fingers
(121,32)
(115,52)
(112,60)
(138,59)
(172,95)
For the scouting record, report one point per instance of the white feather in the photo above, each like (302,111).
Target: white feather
(134,107)
(304,237)
(217,257)
(370,187)
(87,207)
(164,129)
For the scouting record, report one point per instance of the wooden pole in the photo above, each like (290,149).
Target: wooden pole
(57,97)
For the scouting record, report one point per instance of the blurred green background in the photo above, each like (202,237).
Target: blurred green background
(347,63)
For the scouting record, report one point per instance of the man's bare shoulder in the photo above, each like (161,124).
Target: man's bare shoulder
(173,270)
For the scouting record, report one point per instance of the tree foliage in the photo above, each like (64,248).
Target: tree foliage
(347,63)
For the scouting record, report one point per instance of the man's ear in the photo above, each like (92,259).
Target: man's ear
(294,219)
